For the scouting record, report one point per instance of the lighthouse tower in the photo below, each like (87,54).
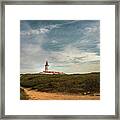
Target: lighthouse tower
(46,66)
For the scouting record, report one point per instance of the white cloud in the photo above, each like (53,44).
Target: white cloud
(72,54)
(71,59)
(38,31)
(44,29)
(35,32)
(91,29)
(54,41)
(98,46)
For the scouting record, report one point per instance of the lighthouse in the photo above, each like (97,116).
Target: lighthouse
(48,71)
(46,66)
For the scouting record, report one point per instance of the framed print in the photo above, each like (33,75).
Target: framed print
(60,59)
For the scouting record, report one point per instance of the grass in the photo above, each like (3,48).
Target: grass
(66,83)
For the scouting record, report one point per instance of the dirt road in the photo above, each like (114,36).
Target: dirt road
(35,95)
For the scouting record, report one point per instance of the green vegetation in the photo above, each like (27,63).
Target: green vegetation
(23,95)
(66,83)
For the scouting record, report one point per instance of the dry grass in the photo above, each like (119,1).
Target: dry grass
(35,95)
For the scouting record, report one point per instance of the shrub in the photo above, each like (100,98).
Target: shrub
(73,83)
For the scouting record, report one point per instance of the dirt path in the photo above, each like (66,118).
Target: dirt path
(35,95)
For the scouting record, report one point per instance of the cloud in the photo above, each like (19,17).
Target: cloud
(35,32)
(91,29)
(54,41)
(98,45)
(43,30)
(65,61)
(68,48)
(38,31)
(74,55)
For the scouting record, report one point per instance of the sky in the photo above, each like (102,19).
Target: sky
(69,46)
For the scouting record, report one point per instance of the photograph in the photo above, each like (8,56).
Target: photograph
(59,60)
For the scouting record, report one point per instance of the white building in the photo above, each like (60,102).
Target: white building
(50,72)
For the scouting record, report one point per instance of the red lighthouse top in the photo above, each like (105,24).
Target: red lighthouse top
(46,63)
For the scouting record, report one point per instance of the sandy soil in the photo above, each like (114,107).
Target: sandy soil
(35,95)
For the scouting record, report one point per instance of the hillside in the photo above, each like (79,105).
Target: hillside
(80,84)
